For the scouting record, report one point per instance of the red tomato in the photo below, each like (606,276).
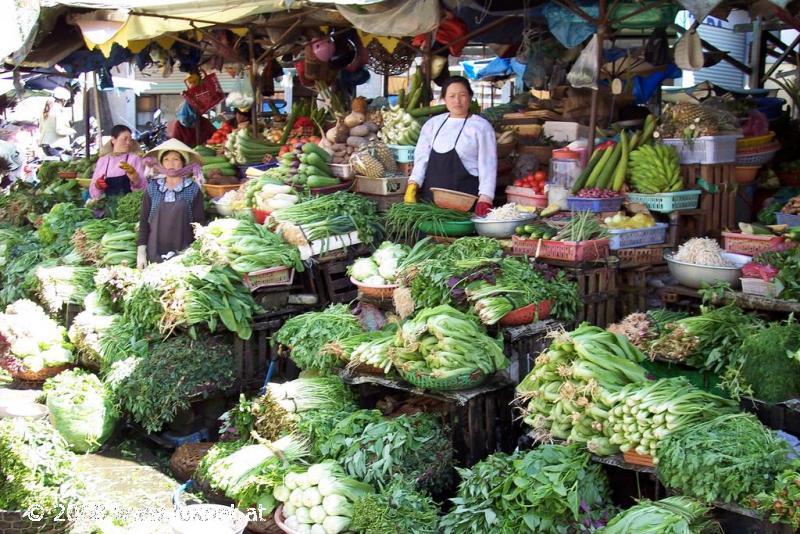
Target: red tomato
(540,176)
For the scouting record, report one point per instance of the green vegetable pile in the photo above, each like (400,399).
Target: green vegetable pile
(33,340)
(569,391)
(306,334)
(89,329)
(770,368)
(781,503)
(727,459)
(59,224)
(443,342)
(672,515)
(63,284)
(398,508)
(129,207)
(403,220)
(245,246)
(169,376)
(550,489)
(37,468)
(82,409)
(375,449)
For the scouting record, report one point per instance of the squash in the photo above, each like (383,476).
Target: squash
(355,119)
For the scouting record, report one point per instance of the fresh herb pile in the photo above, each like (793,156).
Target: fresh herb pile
(37,467)
(169,376)
(781,502)
(770,364)
(19,272)
(568,394)
(129,207)
(582,226)
(403,220)
(63,284)
(306,334)
(727,459)
(553,488)
(497,287)
(400,507)
(245,246)
(82,409)
(329,215)
(375,449)
(667,516)
(59,224)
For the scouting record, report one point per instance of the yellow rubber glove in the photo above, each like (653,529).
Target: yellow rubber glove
(411,193)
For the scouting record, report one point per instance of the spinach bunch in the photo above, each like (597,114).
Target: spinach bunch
(550,489)
(728,459)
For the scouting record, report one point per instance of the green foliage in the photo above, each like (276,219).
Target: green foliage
(306,334)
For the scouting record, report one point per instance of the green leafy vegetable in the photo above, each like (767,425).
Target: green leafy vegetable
(306,334)
(673,515)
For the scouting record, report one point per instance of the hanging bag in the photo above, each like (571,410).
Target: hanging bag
(204,95)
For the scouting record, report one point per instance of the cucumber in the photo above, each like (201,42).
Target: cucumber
(316,180)
(218,165)
(401,98)
(592,180)
(604,180)
(618,178)
(308,148)
(213,159)
(584,175)
(413,101)
(428,111)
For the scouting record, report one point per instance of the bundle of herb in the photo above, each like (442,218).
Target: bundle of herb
(60,223)
(19,273)
(86,239)
(376,449)
(398,508)
(128,207)
(63,284)
(781,502)
(169,376)
(316,426)
(306,334)
(403,220)
(727,459)
(667,516)
(553,488)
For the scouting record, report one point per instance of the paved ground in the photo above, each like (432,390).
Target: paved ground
(128,477)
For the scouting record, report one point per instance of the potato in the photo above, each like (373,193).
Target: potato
(359,131)
(355,141)
(355,119)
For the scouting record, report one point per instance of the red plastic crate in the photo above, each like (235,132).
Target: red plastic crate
(595,249)
(752,245)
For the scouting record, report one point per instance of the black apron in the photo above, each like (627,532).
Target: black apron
(446,171)
(117,185)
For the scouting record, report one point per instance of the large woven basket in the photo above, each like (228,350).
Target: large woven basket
(268,526)
(41,375)
(185,459)
(454,383)
(12,522)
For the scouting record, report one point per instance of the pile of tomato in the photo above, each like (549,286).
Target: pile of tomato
(534,180)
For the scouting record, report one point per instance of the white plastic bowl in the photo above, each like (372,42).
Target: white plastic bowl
(694,276)
(208,519)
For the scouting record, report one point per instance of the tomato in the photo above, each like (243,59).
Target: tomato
(540,176)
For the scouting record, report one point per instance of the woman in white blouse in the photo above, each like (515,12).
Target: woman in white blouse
(456,151)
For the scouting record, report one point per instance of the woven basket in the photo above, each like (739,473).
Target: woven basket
(42,375)
(13,523)
(455,383)
(218,190)
(184,461)
(376,292)
(386,63)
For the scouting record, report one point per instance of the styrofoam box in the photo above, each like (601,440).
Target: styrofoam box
(565,131)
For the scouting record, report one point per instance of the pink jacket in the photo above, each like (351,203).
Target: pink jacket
(108,165)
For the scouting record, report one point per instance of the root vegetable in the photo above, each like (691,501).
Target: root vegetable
(360,131)
(355,141)
(355,119)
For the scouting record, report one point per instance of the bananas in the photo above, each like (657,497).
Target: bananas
(655,169)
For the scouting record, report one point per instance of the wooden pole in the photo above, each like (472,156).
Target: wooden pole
(87,130)
(254,85)
(97,112)
(427,62)
(601,29)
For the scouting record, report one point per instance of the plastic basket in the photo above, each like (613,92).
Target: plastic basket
(527,314)
(638,237)
(639,257)
(594,249)
(274,276)
(391,185)
(757,286)
(668,202)
(454,383)
(205,95)
(375,292)
(755,141)
(403,153)
(342,170)
(760,156)
(447,229)
(538,201)
(595,205)
(788,218)
(638,459)
(707,150)
(750,245)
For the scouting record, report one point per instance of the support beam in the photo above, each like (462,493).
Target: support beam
(789,49)
(187,19)
(756,55)
(601,34)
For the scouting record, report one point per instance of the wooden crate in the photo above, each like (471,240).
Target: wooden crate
(333,283)
(597,288)
(632,290)
(717,210)
(522,344)
(252,356)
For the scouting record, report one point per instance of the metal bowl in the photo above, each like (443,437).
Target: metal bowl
(694,276)
(499,229)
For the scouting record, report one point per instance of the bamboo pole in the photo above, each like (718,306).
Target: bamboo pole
(601,30)
(97,112)
(254,85)
(87,130)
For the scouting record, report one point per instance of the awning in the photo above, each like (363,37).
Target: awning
(136,22)
(18,28)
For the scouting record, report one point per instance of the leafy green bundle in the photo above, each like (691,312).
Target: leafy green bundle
(169,376)
(400,507)
(306,334)
(770,368)
(667,516)
(727,459)
(403,220)
(60,223)
(375,449)
(548,489)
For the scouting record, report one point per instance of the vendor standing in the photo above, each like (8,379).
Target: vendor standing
(172,201)
(119,170)
(456,151)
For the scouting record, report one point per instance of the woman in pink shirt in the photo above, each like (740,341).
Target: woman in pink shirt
(120,171)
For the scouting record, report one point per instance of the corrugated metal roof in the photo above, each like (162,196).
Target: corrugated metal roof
(173,84)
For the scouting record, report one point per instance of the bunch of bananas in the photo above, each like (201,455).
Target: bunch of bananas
(655,169)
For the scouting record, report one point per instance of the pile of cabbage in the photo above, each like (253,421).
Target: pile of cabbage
(30,340)
(382,267)
(82,409)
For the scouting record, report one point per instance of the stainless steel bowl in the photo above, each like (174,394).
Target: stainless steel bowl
(691,275)
(499,229)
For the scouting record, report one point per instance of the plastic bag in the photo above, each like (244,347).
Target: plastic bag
(394,18)
(242,97)
(186,115)
(586,69)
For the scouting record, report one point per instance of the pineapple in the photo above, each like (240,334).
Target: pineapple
(385,156)
(688,120)
(367,165)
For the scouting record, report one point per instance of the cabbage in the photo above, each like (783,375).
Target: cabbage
(334,524)
(388,268)
(363,268)
(389,252)
(56,355)
(34,362)
(81,409)
(376,280)
(24,347)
